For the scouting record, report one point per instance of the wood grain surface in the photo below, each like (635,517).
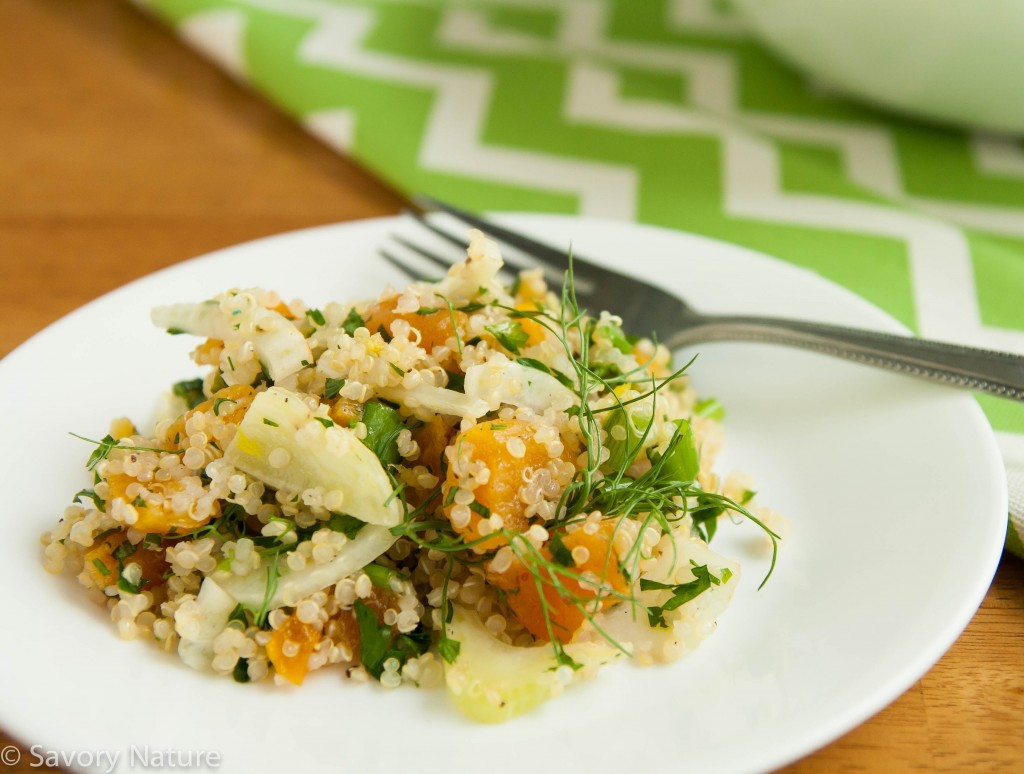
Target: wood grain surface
(122,152)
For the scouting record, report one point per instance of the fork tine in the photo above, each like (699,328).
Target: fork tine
(420,218)
(424,253)
(542,252)
(402,266)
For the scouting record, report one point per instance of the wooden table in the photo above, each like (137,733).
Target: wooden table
(123,152)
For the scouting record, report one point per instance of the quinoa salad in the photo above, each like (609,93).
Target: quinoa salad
(463,483)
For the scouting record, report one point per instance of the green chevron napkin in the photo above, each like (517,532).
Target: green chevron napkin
(662,111)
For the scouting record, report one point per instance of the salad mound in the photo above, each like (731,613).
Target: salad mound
(461,482)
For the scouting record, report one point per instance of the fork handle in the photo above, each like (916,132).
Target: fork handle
(998,373)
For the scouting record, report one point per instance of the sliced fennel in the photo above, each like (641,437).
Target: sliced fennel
(293,585)
(492,681)
(209,618)
(278,344)
(497,383)
(425,400)
(284,444)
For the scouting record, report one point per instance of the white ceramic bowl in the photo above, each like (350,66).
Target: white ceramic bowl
(956,61)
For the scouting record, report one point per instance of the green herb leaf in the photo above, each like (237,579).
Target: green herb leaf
(509,334)
(101,452)
(456,381)
(242,615)
(374,639)
(352,322)
(681,461)
(91,494)
(450,497)
(99,565)
(270,422)
(380,576)
(615,336)
(316,316)
(383,424)
(425,310)
(241,671)
(325,421)
(449,649)
(130,588)
(190,390)
(559,551)
(705,515)
(347,525)
(681,593)
(272,578)
(333,387)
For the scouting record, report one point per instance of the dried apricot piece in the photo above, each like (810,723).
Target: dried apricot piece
(511,455)
(101,561)
(591,556)
(290,647)
(434,325)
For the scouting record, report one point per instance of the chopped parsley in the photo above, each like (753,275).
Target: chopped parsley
(378,643)
(91,494)
(383,424)
(333,387)
(509,334)
(560,551)
(190,391)
(347,525)
(241,671)
(353,321)
(682,592)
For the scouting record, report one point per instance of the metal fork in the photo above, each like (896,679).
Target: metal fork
(646,308)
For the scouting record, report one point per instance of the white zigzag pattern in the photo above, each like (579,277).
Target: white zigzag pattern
(945,297)
(460,108)
(219,34)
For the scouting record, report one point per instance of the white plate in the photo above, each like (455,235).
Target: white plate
(894,488)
